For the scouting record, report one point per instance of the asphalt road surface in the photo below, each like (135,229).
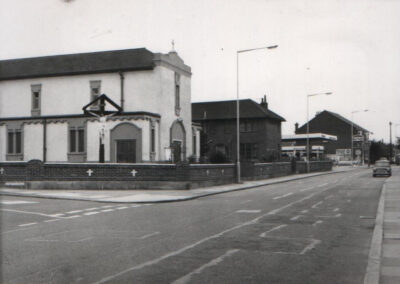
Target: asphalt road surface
(315,230)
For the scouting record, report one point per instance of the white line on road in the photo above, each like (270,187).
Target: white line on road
(305,189)
(317,222)
(91,213)
(295,218)
(186,279)
(27,224)
(282,196)
(330,196)
(148,235)
(304,211)
(122,207)
(248,211)
(27,212)
(313,244)
(321,185)
(91,209)
(57,215)
(73,216)
(262,235)
(75,211)
(107,210)
(193,245)
(335,216)
(52,220)
(336,210)
(16,202)
(107,206)
(316,204)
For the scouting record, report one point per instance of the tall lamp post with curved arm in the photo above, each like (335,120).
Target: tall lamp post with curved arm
(308,127)
(237,105)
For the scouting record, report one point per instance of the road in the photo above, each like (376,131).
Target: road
(315,230)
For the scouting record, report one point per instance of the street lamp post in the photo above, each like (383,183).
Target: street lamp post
(308,127)
(237,105)
(351,132)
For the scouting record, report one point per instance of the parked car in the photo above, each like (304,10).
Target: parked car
(382,167)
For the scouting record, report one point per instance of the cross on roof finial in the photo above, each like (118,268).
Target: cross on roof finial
(173,45)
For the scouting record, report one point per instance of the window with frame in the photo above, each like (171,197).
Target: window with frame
(247,126)
(76,140)
(177,93)
(36,99)
(14,142)
(95,90)
(249,151)
(153,140)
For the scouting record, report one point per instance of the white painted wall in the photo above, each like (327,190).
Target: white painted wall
(3,142)
(33,141)
(57,142)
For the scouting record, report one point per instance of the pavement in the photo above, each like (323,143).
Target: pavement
(155,196)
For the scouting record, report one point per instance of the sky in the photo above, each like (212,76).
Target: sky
(348,47)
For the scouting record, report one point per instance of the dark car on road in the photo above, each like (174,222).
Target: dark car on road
(382,167)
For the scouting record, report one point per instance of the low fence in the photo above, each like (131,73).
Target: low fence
(128,176)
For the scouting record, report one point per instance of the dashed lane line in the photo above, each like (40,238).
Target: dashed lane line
(317,222)
(313,244)
(73,212)
(122,207)
(248,211)
(187,278)
(262,235)
(336,210)
(91,213)
(282,196)
(317,204)
(295,218)
(107,210)
(27,224)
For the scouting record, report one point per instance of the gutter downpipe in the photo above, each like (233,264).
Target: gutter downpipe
(121,75)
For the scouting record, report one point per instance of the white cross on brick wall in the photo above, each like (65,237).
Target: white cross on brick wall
(1,171)
(89,172)
(134,172)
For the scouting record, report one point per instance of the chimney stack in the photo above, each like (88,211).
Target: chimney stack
(264,103)
(296,127)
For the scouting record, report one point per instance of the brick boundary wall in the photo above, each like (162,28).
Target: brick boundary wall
(36,174)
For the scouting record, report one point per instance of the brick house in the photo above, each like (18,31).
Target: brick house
(260,129)
(42,101)
(334,124)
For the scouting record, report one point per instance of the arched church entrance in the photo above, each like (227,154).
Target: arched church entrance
(126,143)
(178,141)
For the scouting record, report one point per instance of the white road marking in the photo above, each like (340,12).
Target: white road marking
(27,224)
(52,220)
(91,213)
(282,196)
(27,212)
(330,196)
(16,202)
(135,206)
(91,209)
(246,201)
(248,211)
(107,206)
(183,249)
(316,204)
(336,210)
(107,210)
(148,235)
(335,216)
(262,235)
(74,216)
(304,211)
(186,279)
(57,215)
(295,218)
(313,244)
(305,189)
(75,211)
(317,222)
(122,207)
(321,185)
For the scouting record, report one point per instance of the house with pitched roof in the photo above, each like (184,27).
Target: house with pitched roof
(344,129)
(51,110)
(260,129)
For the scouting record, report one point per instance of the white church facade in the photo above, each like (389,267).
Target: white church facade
(42,102)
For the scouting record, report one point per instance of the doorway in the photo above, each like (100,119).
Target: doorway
(126,151)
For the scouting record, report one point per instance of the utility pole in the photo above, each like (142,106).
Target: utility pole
(390,142)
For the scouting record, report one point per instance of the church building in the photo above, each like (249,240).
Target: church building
(121,106)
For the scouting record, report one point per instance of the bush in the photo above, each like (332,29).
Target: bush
(218,158)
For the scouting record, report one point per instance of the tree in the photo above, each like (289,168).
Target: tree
(378,150)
